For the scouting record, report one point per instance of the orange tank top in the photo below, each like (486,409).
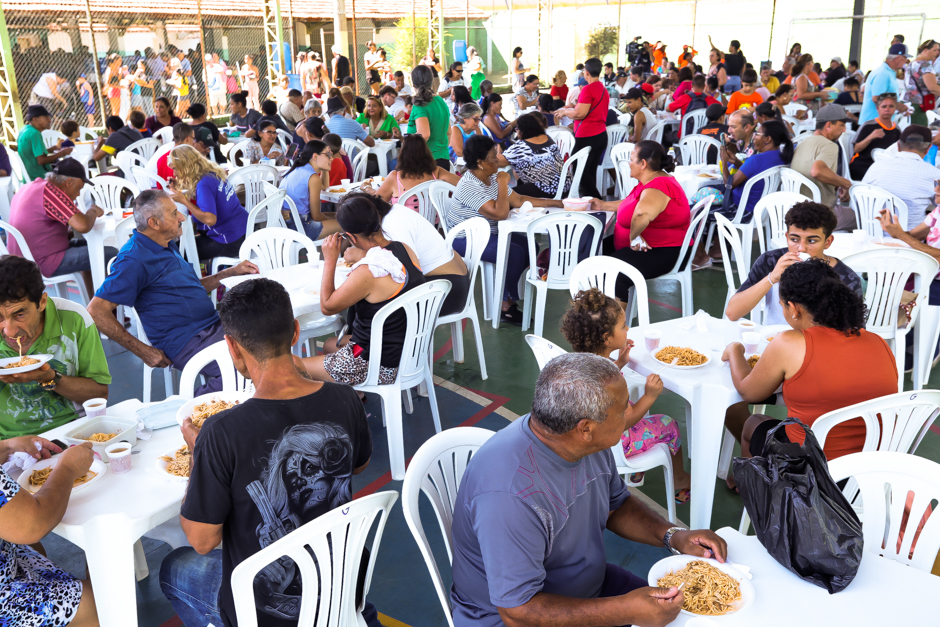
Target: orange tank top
(838,370)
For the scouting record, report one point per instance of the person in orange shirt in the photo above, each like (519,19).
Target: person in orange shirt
(659,53)
(688,53)
(812,76)
(747,96)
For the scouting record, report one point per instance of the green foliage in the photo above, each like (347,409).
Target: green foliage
(601,40)
(409,37)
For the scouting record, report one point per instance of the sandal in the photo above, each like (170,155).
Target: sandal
(696,267)
(636,478)
(512,316)
(683,496)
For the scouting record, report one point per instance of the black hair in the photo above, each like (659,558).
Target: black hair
(529,125)
(258,315)
(415,159)
(579,66)
(269,107)
(461,96)
(609,64)
(655,156)
(387,89)
(316,127)
(853,62)
(334,141)
(494,97)
(181,130)
(378,202)
(196,110)
(635,93)
(712,82)
(453,66)
(736,44)
(546,102)
(349,80)
(69,127)
(357,214)
(817,287)
(312,147)
(593,67)
(532,77)
(476,149)
(241,98)
(698,82)
(421,79)
(784,88)
(165,101)
(777,132)
(114,123)
(260,126)
(516,50)
(850,81)
(294,93)
(20,279)
(749,76)
(809,215)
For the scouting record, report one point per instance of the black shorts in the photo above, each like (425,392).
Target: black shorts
(373,77)
(759,438)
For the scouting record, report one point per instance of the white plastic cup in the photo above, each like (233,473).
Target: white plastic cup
(119,457)
(652,339)
(803,256)
(346,182)
(751,340)
(95,407)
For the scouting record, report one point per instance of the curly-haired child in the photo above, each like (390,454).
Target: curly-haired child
(596,323)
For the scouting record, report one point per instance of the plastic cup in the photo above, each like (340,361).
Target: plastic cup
(652,339)
(119,457)
(803,256)
(345,182)
(95,407)
(751,340)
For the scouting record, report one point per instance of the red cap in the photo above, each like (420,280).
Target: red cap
(647,88)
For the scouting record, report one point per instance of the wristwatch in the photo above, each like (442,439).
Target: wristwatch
(51,385)
(667,539)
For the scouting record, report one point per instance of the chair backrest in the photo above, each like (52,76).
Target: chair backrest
(602,272)
(106,192)
(888,271)
(276,218)
(867,201)
(253,177)
(127,160)
(50,137)
(284,139)
(698,222)
(578,160)
(353,146)
(152,161)
(145,147)
(421,192)
(437,470)
(793,181)
(729,238)
(877,154)
(847,143)
(421,306)
(656,133)
(85,133)
(771,180)
(144,178)
(267,211)
(564,139)
(620,156)
(232,381)
(359,164)
(64,304)
(123,230)
(476,231)
(18,175)
(164,135)
(188,240)
(801,136)
(564,237)
(440,193)
(770,211)
(693,121)
(236,155)
(615,135)
(13,232)
(897,491)
(276,247)
(543,350)
(327,552)
(694,148)
(794,107)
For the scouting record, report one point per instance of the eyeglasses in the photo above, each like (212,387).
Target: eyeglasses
(274,132)
(328,153)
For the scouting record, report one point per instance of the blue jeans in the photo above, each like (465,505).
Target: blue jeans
(76,258)
(191,583)
(733,84)
(312,228)
(516,264)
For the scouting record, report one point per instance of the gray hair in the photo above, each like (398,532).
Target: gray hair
(59,180)
(571,388)
(148,205)
(467,111)
(311,105)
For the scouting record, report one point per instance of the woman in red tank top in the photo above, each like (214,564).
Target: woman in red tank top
(828,361)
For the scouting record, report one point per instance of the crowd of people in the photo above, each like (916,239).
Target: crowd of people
(516,559)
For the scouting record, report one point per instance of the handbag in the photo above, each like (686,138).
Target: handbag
(930,102)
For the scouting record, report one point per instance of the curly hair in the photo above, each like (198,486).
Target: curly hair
(591,321)
(809,215)
(817,287)
(189,167)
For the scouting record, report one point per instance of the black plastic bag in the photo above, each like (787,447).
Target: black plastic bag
(798,511)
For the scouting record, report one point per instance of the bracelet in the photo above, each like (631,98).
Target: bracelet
(769,281)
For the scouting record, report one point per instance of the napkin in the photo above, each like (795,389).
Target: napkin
(158,416)
(21,460)
(639,241)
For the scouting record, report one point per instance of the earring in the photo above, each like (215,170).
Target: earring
(794,317)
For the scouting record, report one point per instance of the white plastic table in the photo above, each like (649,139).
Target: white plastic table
(844,244)
(708,391)
(689,178)
(107,518)
(518,223)
(301,281)
(384,150)
(883,592)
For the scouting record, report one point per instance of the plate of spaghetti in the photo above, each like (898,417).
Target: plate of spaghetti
(688,357)
(35,477)
(24,363)
(711,588)
(210,404)
(175,463)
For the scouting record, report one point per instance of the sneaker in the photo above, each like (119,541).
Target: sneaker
(512,316)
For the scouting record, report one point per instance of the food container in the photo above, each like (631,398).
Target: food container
(576,204)
(125,429)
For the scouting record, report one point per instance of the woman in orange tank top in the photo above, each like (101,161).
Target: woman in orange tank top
(828,361)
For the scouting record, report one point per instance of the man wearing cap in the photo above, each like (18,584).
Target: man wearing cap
(204,142)
(883,80)
(43,211)
(817,158)
(836,71)
(30,147)
(618,87)
(342,126)
(291,110)
(119,137)
(215,84)
(907,175)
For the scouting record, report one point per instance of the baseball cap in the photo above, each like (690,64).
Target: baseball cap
(647,88)
(715,111)
(915,129)
(204,135)
(898,50)
(833,113)
(837,59)
(72,168)
(36,111)
(622,74)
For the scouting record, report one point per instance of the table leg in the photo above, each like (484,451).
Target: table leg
(95,238)
(110,555)
(708,415)
(499,278)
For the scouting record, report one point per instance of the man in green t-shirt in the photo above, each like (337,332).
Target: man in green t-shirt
(31,324)
(30,147)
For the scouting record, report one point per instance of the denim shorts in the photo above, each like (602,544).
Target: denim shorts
(312,228)
(76,258)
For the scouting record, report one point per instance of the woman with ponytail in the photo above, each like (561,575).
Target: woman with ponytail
(309,175)
(430,116)
(826,362)
(656,211)
(387,270)
(596,323)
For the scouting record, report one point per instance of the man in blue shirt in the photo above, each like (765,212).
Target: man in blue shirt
(150,275)
(883,80)
(343,126)
(534,503)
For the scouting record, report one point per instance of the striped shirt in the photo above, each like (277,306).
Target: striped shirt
(42,211)
(346,128)
(470,196)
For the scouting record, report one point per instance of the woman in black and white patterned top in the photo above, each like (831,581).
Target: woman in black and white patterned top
(535,158)
(484,191)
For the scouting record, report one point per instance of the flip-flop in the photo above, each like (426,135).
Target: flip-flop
(637,478)
(683,496)
(707,264)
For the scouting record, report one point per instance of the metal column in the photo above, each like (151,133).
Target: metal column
(855,44)
(11,116)
(273,34)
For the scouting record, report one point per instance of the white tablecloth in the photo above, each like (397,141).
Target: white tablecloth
(883,594)
(302,282)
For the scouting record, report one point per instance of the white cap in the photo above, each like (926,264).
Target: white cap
(337,49)
(837,59)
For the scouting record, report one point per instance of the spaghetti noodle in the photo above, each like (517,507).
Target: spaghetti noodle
(39,477)
(752,360)
(24,361)
(203,410)
(708,591)
(100,437)
(686,356)
(178,465)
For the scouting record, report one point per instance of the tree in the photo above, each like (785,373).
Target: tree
(409,38)
(601,40)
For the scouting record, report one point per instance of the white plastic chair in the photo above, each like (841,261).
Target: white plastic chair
(421,192)
(143,178)
(682,271)
(267,211)
(353,146)
(694,148)
(563,138)
(59,283)
(187,242)
(476,231)
(543,350)
(621,158)
(693,122)
(867,202)
(164,135)
(729,239)
(236,156)
(284,139)
(771,180)
(275,247)
(151,166)
(85,133)
(145,147)
(886,480)
(276,218)
(127,160)
(769,218)
(50,137)
(106,192)
(877,154)
(656,133)
(847,144)
(888,271)
(18,175)
(579,160)
(564,236)
(232,380)
(148,370)
(327,552)
(615,135)
(252,177)
(602,272)
(437,470)
(793,181)
(421,306)
(794,107)
(360,164)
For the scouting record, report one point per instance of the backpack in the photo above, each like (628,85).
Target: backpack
(698,101)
